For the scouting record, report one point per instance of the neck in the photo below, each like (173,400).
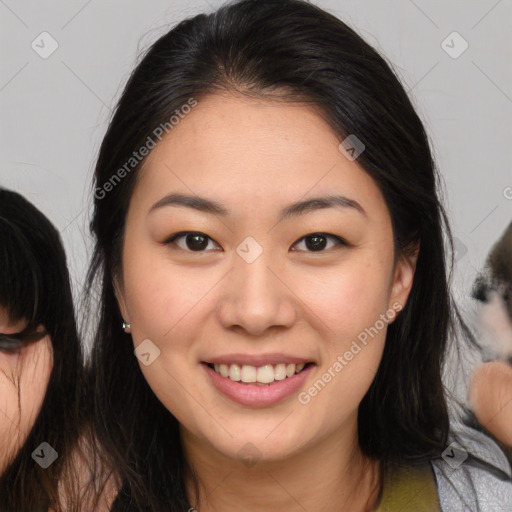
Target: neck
(331,476)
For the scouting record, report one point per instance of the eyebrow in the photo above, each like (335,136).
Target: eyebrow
(293,210)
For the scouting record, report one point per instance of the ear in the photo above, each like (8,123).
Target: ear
(121,301)
(403,276)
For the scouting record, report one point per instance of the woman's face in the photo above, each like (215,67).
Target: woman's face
(254,290)
(23,380)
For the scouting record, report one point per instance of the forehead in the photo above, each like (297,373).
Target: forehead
(228,128)
(253,150)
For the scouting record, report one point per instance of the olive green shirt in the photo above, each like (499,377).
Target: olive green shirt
(410,489)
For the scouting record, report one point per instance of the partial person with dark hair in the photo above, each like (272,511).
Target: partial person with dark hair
(275,306)
(40,364)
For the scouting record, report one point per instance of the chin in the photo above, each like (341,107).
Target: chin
(255,443)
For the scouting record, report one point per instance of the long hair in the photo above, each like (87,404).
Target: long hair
(290,51)
(35,287)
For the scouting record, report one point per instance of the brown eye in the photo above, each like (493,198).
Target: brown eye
(198,242)
(317,242)
(194,241)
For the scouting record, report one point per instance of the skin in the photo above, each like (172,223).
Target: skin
(24,378)
(257,157)
(490,395)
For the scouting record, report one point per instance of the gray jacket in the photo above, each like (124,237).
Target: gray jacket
(474,475)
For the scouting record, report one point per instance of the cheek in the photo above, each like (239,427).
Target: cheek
(350,297)
(351,362)
(33,387)
(12,426)
(158,301)
(148,288)
(23,383)
(159,294)
(350,302)
(9,410)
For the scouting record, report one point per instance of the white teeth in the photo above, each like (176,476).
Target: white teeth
(299,367)
(248,373)
(264,374)
(280,372)
(234,372)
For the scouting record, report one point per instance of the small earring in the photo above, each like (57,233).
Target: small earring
(126,326)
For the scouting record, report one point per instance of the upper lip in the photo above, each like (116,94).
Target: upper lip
(257,359)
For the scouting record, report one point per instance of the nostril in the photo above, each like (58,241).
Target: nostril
(479,291)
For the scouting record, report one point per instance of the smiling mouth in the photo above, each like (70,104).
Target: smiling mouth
(262,375)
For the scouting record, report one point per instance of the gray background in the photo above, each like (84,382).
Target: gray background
(54,111)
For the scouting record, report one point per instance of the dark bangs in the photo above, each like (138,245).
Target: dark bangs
(20,276)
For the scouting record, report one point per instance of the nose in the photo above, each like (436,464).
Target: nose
(255,297)
(480,291)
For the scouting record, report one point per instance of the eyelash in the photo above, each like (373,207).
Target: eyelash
(181,234)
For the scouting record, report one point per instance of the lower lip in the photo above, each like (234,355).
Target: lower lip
(254,395)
